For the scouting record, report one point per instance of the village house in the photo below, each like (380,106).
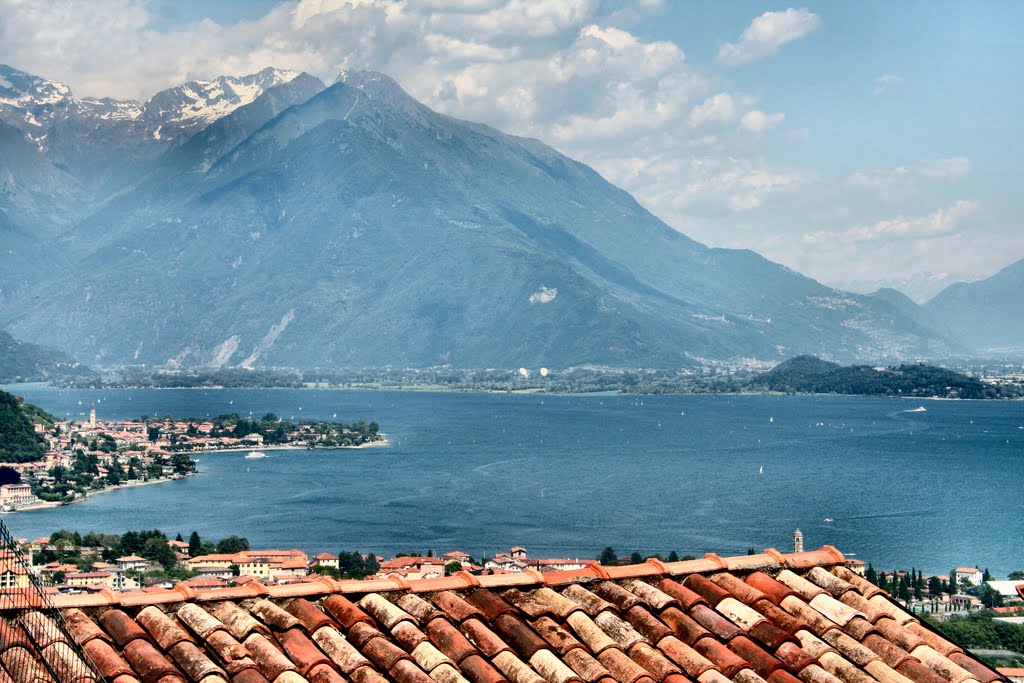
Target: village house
(14,496)
(325,560)
(972,574)
(132,563)
(412,568)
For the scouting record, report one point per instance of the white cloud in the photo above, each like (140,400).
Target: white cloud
(887,82)
(721,107)
(766,34)
(940,223)
(901,181)
(756,121)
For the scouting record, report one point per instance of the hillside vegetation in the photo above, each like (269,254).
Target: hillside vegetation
(19,441)
(810,375)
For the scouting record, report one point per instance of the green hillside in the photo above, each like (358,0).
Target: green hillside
(810,375)
(19,441)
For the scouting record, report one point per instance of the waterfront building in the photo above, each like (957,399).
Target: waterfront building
(972,574)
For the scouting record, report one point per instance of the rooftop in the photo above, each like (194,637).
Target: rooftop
(752,619)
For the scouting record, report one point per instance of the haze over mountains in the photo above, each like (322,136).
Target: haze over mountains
(272,220)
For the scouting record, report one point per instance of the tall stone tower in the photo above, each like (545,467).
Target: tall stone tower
(798,541)
(92,416)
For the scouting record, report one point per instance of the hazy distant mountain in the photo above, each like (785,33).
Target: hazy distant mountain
(987,315)
(24,362)
(358,227)
(919,287)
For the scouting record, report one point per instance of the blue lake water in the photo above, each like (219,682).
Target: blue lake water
(568,475)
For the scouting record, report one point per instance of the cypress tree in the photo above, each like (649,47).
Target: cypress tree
(871,575)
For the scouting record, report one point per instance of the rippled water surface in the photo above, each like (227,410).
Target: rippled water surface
(568,475)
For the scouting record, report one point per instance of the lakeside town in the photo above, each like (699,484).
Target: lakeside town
(77,459)
(70,563)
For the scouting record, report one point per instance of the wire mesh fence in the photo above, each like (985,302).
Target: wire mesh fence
(39,646)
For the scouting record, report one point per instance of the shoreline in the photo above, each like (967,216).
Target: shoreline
(286,447)
(45,505)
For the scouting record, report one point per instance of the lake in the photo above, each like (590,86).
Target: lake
(566,475)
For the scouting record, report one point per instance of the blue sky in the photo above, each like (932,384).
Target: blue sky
(864,144)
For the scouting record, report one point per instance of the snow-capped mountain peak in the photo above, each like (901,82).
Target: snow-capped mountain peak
(34,104)
(196,104)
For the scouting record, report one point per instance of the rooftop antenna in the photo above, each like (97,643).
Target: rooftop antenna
(51,652)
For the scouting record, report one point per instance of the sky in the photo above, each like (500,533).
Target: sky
(863,144)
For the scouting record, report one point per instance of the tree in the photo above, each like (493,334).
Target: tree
(990,597)
(608,557)
(9,475)
(182,464)
(636,558)
(986,577)
(452,567)
(952,590)
(178,538)
(232,545)
(934,586)
(153,433)
(270,417)
(673,556)
(1016,575)
(194,544)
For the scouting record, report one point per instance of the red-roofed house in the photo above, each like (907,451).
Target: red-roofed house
(972,574)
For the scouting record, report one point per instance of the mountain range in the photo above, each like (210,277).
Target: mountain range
(272,220)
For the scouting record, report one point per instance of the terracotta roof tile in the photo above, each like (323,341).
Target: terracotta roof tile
(122,628)
(692,662)
(82,628)
(688,630)
(456,607)
(714,622)
(346,613)
(308,614)
(383,610)
(110,664)
(193,662)
(264,610)
(622,598)
(738,588)
(707,589)
(165,633)
(491,605)
(773,590)
(591,603)
(589,632)
(647,624)
(653,660)
(561,605)
(147,662)
(686,597)
(483,638)
(341,651)
(449,640)
(479,670)
(408,636)
(624,669)
(516,670)
(556,635)
(586,665)
(656,598)
(418,607)
(767,618)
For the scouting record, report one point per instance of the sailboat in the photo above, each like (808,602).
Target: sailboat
(761,470)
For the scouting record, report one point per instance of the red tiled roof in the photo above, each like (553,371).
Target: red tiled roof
(767,618)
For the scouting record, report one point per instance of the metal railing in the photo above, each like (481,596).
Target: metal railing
(43,645)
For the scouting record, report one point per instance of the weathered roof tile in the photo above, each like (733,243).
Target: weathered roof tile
(768,618)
